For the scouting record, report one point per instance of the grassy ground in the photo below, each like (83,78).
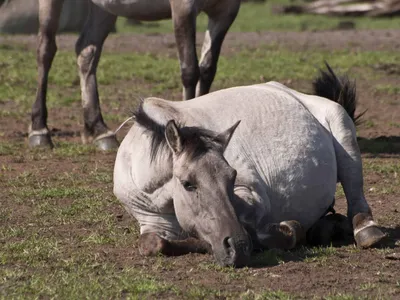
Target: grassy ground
(153,72)
(64,235)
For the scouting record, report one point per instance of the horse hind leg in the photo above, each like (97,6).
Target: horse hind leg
(88,50)
(349,165)
(221,17)
(330,229)
(49,15)
(184,19)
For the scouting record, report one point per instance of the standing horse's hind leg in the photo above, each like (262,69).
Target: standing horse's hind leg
(221,18)
(349,165)
(184,18)
(88,50)
(49,14)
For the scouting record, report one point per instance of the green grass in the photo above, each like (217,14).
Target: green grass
(155,75)
(259,17)
(268,295)
(388,88)
(65,282)
(341,296)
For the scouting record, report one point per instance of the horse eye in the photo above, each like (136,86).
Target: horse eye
(188,186)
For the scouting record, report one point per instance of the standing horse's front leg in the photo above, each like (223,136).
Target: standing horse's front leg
(221,17)
(88,51)
(151,244)
(184,17)
(49,14)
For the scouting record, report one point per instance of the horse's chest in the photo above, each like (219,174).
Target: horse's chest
(144,10)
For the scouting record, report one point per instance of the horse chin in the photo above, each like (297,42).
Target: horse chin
(238,261)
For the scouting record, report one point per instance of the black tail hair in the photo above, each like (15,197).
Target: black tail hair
(338,89)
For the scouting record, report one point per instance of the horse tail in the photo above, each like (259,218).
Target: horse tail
(338,89)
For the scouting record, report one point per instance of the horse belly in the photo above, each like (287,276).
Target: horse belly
(142,10)
(309,190)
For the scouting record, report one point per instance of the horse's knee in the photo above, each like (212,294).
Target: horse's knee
(189,74)
(150,244)
(207,69)
(86,58)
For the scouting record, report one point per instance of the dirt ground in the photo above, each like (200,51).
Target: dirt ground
(369,273)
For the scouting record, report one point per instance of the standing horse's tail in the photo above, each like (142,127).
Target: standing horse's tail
(338,89)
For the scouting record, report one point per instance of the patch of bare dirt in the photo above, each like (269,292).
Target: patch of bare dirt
(385,39)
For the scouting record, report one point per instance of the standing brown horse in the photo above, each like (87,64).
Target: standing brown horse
(197,77)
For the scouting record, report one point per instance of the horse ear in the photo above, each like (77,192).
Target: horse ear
(224,137)
(173,137)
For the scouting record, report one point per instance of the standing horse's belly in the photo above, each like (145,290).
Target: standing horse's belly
(143,10)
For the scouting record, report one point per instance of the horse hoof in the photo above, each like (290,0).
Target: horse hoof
(150,244)
(294,230)
(40,141)
(369,237)
(107,143)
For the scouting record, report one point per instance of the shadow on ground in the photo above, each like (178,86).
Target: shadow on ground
(274,257)
(380,145)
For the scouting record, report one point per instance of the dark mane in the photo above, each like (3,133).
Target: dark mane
(195,140)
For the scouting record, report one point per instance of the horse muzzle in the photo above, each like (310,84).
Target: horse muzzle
(234,252)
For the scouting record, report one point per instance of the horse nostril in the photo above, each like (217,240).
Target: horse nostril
(228,245)
(225,242)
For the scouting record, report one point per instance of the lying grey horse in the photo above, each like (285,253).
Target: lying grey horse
(195,183)
(101,20)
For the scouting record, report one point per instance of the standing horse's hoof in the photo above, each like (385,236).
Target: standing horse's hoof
(106,143)
(40,141)
(369,237)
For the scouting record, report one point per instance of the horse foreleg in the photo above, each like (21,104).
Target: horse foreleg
(49,14)
(220,19)
(285,235)
(184,18)
(88,50)
(151,244)
(349,165)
